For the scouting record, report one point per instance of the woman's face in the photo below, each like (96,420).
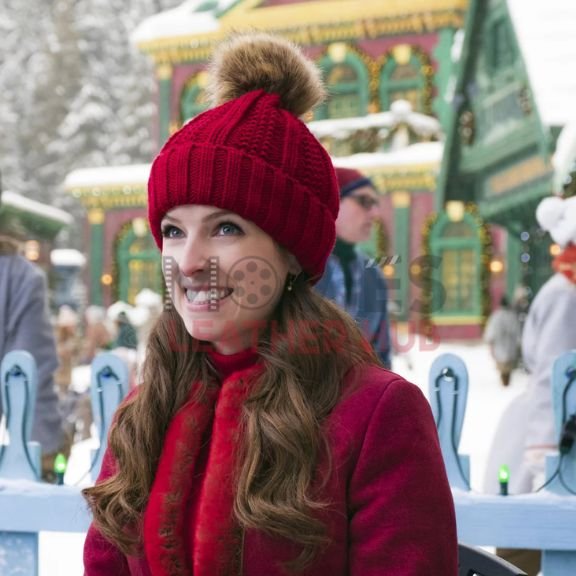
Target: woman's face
(225,275)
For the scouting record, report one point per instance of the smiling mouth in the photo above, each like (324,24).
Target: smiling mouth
(207,296)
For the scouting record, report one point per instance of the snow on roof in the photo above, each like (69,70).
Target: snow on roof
(546,32)
(564,159)
(24,204)
(457,45)
(416,155)
(67,257)
(134,174)
(184,20)
(401,111)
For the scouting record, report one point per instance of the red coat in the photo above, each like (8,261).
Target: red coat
(391,507)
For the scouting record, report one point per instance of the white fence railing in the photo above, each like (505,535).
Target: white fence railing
(545,520)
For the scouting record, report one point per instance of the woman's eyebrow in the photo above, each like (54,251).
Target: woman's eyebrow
(208,218)
(217,214)
(169,219)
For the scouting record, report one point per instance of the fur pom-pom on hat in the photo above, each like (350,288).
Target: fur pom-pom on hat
(252,155)
(261,61)
(558,217)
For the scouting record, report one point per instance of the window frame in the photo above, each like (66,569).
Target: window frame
(188,99)
(361,88)
(438,246)
(125,239)
(388,85)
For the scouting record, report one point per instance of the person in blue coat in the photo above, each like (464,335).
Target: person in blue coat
(350,278)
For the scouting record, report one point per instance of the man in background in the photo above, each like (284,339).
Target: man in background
(350,279)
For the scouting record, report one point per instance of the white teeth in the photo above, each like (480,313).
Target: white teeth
(205,296)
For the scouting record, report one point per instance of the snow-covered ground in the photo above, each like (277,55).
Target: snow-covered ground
(61,554)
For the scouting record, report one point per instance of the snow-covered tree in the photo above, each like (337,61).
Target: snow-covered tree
(74,91)
(26,34)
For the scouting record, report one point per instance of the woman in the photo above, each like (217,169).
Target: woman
(265,439)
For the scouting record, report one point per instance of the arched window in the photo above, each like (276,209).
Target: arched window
(456,248)
(348,88)
(138,261)
(193,100)
(402,78)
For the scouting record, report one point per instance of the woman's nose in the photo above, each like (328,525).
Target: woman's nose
(193,258)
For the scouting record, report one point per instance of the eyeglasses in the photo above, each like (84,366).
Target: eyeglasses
(367,202)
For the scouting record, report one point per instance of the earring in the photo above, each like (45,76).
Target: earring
(290,285)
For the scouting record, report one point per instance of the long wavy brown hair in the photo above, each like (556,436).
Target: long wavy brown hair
(283,435)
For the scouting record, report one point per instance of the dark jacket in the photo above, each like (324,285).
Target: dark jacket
(368,299)
(25,325)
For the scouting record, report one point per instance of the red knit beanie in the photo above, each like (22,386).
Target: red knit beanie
(252,155)
(350,180)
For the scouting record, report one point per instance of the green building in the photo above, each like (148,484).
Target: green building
(513,93)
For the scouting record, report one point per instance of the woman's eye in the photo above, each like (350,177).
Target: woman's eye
(170,231)
(228,229)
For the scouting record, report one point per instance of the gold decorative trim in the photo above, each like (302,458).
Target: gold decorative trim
(274,17)
(402,53)
(337,52)
(457,320)
(110,197)
(111,202)
(401,199)
(524,172)
(108,189)
(409,169)
(96,217)
(164,71)
(202,78)
(389,183)
(411,182)
(308,27)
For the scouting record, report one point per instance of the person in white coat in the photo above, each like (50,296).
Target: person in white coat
(549,331)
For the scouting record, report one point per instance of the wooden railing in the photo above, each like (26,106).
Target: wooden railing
(28,506)
(545,520)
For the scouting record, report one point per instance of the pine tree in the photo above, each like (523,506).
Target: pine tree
(75,92)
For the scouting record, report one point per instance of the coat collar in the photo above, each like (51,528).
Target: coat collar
(197,466)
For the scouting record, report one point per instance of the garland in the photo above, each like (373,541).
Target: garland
(426,326)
